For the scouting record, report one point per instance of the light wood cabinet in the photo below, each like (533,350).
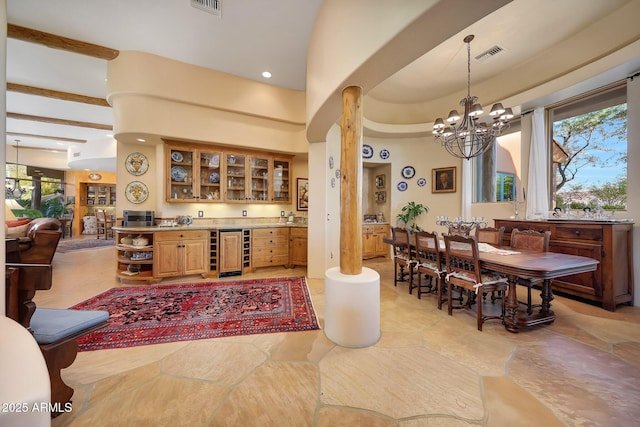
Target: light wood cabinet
(230,261)
(204,173)
(297,246)
(269,247)
(193,174)
(179,253)
(372,241)
(610,243)
(134,263)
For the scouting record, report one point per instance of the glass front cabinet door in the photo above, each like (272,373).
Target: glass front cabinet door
(260,179)
(194,175)
(281,180)
(235,177)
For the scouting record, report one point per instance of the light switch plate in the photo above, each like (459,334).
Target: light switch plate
(200,214)
(244,213)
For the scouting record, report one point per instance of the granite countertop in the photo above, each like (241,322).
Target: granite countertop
(207,227)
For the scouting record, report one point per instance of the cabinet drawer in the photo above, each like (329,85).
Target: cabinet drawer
(298,232)
(270,241)
(181,234)
(380,229)
(258,252)
(267,232)
(270,261)
(586,232)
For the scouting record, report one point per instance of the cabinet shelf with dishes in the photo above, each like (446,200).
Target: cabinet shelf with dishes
(134,258)
(93,194)
(193,174)
(202,173)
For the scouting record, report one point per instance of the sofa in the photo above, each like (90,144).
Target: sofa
(38,238)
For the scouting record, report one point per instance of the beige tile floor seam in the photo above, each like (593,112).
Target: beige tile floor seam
(517,378)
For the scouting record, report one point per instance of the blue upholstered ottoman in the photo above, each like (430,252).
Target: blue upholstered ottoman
(56,331)
(51,324)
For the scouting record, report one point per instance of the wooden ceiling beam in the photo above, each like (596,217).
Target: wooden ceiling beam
(56,94)
(54,120)
(58,42)
(55,138)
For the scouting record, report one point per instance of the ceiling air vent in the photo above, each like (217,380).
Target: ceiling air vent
(212,6)
(491,52)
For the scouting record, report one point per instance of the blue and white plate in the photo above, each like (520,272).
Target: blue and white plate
(367,151)
(176,156)
(384,154)
(422,182)
(214,177)
(408,172)
(402,186)
(178,173)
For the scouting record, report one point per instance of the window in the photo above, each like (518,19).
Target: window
(505,187)
(589,149)
(496,172)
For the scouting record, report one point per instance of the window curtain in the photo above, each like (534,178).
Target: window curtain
(466,189)
(537,196)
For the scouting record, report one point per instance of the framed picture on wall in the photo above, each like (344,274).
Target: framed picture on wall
(302,194)
(443,180)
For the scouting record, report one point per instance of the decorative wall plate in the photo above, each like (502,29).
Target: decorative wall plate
(137,164)
(422,182)
(367,151)
(408,172)
(178,173)
(402,186)
(176,156)
(384,154)
(136,192)
(95,176)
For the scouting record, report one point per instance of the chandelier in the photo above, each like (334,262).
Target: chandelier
(13,189)
(470,137)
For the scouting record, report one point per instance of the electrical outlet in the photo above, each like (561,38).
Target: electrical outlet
(200,214)
(244,213)
(281,213)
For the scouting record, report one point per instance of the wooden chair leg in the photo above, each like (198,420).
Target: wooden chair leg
(59,355)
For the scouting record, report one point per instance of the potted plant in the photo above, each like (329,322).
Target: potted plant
(409,213)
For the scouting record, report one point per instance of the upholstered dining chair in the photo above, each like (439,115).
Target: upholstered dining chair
(402,256)
(533,241)
(428,263)
(490,235)
(463,272)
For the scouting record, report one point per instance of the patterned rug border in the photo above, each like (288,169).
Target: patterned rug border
(297,301)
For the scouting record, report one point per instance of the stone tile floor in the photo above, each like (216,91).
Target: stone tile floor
(428,369)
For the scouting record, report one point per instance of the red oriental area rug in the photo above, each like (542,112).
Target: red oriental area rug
(145,315)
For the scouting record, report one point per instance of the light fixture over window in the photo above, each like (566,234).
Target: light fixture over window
(466,136)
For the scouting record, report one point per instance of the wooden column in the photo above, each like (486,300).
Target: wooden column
(350,182)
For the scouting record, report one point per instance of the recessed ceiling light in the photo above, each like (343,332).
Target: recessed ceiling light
(266,74)
(140,139)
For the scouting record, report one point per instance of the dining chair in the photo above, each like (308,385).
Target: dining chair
(533,241)
(462,262)
(490,235)
(104,223)
(402,256)
(67,222)
(428,263)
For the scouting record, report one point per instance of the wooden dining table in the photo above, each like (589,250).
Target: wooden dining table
(544,266)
